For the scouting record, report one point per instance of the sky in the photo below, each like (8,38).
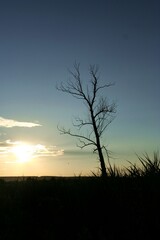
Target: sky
(39,41)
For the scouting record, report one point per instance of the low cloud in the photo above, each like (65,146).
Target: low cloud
(47,151)
(9,123)
(9,147)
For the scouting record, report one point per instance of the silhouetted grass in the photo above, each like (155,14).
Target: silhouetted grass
(149,167)
(121,206)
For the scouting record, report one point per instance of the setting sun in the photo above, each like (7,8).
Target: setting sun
(23,152)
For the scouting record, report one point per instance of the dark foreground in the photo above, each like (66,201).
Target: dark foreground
(80,208)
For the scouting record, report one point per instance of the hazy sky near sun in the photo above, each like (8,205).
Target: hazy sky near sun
(39,41)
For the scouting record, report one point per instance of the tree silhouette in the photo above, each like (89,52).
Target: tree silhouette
(100,112)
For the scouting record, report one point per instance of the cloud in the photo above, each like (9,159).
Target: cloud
(9,143)
(9,147)
(9,123)
(6,146)
(47,151)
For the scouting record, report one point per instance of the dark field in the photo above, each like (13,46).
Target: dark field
(80,208)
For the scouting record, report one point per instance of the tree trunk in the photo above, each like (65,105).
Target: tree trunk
(102,163)
(99,149)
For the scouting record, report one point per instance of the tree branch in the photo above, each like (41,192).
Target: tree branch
(68,132)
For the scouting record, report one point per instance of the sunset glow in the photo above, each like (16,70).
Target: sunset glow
(23,152)
(40,44)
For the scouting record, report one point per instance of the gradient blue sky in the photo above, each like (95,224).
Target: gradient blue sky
(39,41)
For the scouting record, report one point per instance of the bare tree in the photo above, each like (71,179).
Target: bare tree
(100,112)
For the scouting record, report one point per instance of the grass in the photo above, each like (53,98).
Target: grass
(124,205)
(149,167)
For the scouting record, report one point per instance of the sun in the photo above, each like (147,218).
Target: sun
(23,152)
